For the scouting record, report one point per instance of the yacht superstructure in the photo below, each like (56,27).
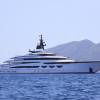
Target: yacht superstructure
(39,61)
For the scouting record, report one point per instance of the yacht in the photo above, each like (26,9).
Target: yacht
(39,61)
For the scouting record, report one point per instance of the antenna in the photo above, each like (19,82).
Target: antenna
(41,43)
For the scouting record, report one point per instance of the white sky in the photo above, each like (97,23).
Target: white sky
(60,21)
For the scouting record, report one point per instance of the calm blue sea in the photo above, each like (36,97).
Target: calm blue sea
(49,86)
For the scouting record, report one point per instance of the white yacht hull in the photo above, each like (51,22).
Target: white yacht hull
(72,67)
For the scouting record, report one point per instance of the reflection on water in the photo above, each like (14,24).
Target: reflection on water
(49,86)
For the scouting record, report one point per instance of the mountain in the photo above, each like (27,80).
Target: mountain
(78,50)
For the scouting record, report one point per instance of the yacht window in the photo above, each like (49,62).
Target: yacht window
(43,66)
(59,66)
(36,66)
(29,62)
(51,66)
(26,67)
(57,62)
(46,54)
(44,58)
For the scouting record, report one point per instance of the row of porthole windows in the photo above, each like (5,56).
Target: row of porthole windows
(58,66)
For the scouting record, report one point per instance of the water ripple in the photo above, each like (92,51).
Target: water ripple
(49,86)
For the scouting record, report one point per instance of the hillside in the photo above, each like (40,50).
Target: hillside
(78,50)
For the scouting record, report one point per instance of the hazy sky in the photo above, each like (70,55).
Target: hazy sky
(60,21)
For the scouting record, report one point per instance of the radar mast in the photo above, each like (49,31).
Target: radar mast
(41,43)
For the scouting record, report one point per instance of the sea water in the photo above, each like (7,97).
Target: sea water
(49,86)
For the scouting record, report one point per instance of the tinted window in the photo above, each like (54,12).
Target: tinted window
(59,66)
(46,54)
(28,62)
(44,58)
(43,66)
(51,66)
(25,67)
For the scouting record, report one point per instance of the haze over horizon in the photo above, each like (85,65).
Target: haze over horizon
(60,21)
